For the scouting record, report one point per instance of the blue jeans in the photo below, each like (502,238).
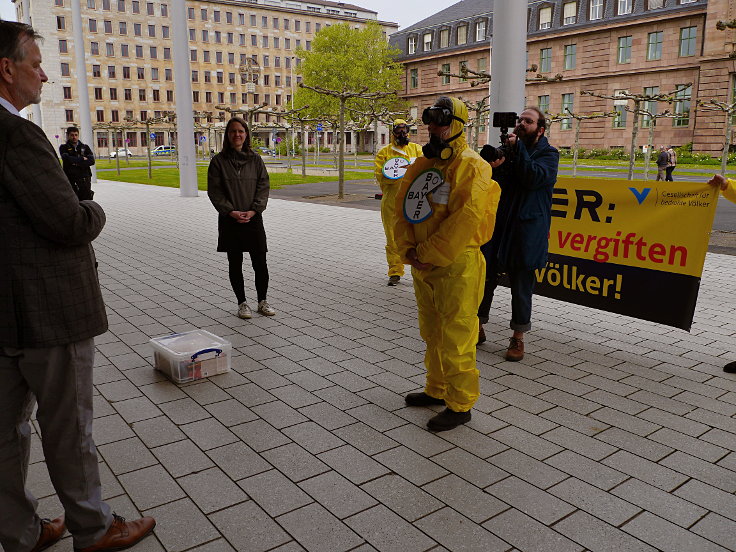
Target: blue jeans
(522,288)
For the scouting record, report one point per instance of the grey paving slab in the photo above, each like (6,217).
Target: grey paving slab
(247,527)
(387,532)
(317,530)
(606,414)
(456,532)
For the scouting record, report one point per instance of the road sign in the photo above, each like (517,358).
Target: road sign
(153,136)
(319,127)
(202,139)
(278,140)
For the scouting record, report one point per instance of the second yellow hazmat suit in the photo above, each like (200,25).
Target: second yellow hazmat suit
(462,217)
(388,171)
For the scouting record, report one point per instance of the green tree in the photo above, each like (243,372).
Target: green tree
(346,68)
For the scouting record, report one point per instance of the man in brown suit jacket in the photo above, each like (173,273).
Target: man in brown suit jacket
(50,310)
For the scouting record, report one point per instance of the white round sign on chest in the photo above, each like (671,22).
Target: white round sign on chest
(417,207)
(394,168)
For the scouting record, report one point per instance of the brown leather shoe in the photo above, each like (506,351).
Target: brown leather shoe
(51,532)
(122,534)
(481,335)
(515,352)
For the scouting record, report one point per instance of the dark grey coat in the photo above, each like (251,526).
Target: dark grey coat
(246,189)
(49,291)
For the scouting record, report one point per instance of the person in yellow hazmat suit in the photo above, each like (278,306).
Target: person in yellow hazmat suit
(728,189)
(445,210)
(390,166)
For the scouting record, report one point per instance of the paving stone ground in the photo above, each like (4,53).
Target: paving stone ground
(611,434)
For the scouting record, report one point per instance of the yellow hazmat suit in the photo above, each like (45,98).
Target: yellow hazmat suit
(730,192)
(449,236)
(388,171)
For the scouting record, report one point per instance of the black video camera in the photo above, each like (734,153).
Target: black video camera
(504,120)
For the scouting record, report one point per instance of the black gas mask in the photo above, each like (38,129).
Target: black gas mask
(401,136)
(437,147)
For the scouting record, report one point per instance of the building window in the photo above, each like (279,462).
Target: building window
(136,6)
(192,55)
(149,8)
(650,106)
(93,25)
(462,34)
(596,9)
(168,75)
(619,107)
(154,73)
(567,104)
(264,41)
(624,49)
(152,31)
(195,76)
(69,115)
(205,35)
(462,67)
(164,10)
(654,45)
(123,28)
(139,51)
(96,71)
(137,29)
(656,4)
(545,18)
(110,71)
(114,117)
(121,6)
(445,73)
(427,42)
(153,52)
(141,73)
(543,103)
(124,50)
(624,6)
(169,95)
(569,13)
(682,105)
(480,31)
(167,53)
(687,41)
(570,55)
(67,92)
(100,115)
(63,48)
(128,94)
(94,48)
(545,60)
(60,22)
(412,47)
(91,4)
(444,38)
(126,72)
(203,13)
(114,94)
(109,49)
(413,78)
(482,65)
(108,27)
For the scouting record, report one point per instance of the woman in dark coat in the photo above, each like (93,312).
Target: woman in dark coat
(237,185)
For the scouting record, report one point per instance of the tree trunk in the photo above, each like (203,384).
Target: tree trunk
(726,143)
(375,137)
(148,143)
(634,134)
(304,152)
(648,156)
(341,158)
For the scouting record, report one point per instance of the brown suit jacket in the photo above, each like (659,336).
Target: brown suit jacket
(49,291)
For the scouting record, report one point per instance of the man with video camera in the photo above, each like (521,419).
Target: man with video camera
(526,168)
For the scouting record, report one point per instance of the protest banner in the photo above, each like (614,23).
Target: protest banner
(632,248)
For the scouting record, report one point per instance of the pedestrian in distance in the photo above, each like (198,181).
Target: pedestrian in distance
(445,210)
(672,163)
(663,161)
(76,159)
(238,187)
(51,309)
(390,165)
(527,175)
(727,187)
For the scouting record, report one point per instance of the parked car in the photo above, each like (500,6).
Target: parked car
(164,150)
(266,151)
(122,152)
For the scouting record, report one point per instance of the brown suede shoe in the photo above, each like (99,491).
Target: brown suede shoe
(481,335)
(122,534)
(515,352)
(51,532)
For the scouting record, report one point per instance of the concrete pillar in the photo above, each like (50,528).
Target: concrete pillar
(85,118)
(183,101)
(508,60)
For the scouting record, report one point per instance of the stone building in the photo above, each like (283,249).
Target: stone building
(603,46)
(127,52)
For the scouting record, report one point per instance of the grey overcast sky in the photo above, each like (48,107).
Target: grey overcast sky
(404,13)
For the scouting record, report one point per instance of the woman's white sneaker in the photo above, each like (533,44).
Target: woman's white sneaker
(244,310)
(265,309)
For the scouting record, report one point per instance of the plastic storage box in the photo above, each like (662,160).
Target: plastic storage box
(190,356)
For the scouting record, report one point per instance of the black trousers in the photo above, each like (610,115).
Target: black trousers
(235,271)
(669,178)
(83,187)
